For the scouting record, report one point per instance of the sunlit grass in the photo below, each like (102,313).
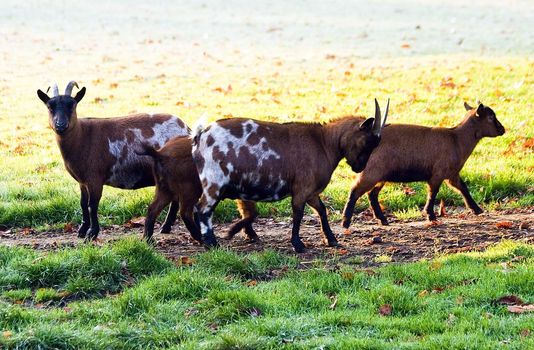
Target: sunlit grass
(226,300)
(35,189)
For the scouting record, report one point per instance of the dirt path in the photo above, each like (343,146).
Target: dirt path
(401,241)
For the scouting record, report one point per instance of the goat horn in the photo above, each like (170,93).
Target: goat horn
(55,90)
(376,124)
(385,115)
(70,85)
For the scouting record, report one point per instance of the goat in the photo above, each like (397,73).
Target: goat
(410,153)
(264,161)
(98,152)
(177,181)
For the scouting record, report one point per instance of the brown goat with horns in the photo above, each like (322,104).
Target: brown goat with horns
(100,151)
(262,161)
(410,153)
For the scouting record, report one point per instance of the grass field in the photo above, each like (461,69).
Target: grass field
(126,296)
(36,191)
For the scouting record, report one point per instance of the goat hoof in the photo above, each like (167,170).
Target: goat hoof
(250,239)
(331,243)
(210,242)
(299,247)
(477,211)
(345,223)
(165,229)
(384,222)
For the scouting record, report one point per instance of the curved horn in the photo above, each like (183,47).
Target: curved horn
(55,90)
(377,123)
(70,85)
(385,115)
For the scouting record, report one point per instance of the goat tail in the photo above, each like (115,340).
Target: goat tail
(199,129)
(144,149)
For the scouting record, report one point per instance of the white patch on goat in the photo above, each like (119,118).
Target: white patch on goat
(126,172)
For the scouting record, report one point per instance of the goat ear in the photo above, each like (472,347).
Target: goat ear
(467,106)
(80,94)
(367,124)
(480,110)
(43,97)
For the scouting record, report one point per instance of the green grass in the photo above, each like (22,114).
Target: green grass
(35,189)
(226,300)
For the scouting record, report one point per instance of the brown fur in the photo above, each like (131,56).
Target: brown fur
(410,153)
(177,180)
(85,147)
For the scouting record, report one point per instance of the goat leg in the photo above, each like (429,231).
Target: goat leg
(186,212)
(298,212)
(328,236)
(95,193)
(170,218)
(460,186)
(153,212)
(84,203)
(375,205)
(433,189)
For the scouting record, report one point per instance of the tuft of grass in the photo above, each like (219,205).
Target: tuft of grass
(447,302)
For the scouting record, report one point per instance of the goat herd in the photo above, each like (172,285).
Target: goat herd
(251,160)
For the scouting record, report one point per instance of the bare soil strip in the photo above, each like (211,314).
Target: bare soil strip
(400,241)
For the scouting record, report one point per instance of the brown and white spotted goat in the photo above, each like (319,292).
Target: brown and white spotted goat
(262,161)
(410,153)
(177,180)
(99,152)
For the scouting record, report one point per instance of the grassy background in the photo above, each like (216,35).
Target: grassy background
(35,189)
(127,296)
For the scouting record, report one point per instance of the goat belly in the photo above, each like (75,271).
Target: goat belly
(411,174)
(132,174)
(260,191)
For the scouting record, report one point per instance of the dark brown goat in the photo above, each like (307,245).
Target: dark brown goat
(99,152)
(411,153)
(263,161)
(177,181)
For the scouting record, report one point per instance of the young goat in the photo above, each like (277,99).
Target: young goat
(99,152)
(177,181)
(411,153)
(263,161)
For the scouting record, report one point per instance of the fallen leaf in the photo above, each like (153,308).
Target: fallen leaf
(330,57)
(433,223)
(185,260)
(520,309)
(252,283)
(67,309)
(525,333)
(7,334)
(334,303)
(385,310)
(447,82)
(342,251)
(27,231)
(408,191)
(504,224)
(135,222)
(347,231)
(423,293)
(510,300)
(405,45)
(68,228)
